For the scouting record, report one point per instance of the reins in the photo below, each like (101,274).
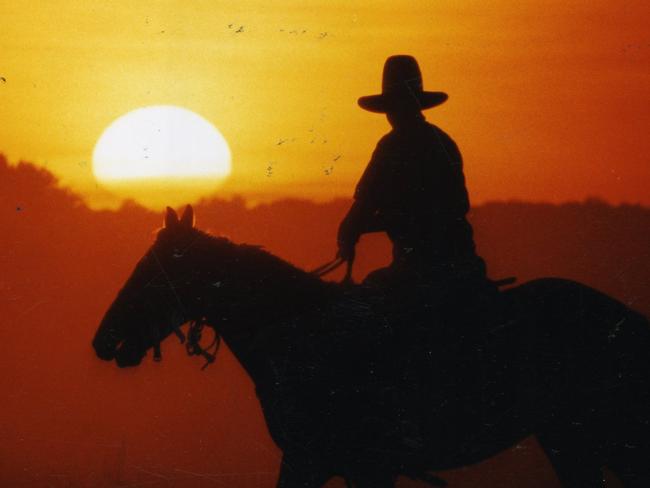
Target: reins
(330,266)
(193,344)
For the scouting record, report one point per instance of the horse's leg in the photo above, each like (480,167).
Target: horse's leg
(575,466)
(296,472)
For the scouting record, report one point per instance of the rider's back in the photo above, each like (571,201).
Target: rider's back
(415,183)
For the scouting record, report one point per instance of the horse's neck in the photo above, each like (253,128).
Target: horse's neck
(262,298)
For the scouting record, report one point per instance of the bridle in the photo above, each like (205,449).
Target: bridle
(193,344)
(193,340)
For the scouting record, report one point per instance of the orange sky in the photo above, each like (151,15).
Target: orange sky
(548,100)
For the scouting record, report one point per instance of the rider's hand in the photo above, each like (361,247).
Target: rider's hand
(346,251)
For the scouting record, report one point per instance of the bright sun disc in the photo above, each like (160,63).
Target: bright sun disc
(160,147)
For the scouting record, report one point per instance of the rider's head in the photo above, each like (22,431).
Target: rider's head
(404,114)
(402,96)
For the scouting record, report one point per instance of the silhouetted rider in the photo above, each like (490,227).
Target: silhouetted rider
(413,187)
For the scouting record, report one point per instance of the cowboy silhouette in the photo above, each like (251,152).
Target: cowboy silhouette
(413,188)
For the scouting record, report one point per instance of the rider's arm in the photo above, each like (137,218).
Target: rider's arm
(350,229)
(362,216)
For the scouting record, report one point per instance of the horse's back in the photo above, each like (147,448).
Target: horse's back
(593,341)
(588,310)
(555,349)
(353,373)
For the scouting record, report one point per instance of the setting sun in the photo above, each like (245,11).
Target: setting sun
(161,155)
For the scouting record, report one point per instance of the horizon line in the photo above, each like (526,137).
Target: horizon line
(254,199)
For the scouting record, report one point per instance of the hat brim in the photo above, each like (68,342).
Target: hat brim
(385,103)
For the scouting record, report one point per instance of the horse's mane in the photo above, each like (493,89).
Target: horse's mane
(215,248)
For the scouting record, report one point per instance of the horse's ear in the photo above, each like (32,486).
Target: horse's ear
(171,218)
(187,219)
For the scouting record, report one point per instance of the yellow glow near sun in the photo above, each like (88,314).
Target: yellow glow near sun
(161,155)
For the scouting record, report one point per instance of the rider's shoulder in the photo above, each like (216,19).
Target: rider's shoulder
(436,130)
(386,144)
(438,135)
(387,138)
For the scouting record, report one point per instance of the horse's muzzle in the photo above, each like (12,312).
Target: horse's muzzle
(129,354)
(104,346)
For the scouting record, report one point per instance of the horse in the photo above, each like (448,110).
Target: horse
(356,385)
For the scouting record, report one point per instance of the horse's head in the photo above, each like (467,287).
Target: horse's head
(151,305)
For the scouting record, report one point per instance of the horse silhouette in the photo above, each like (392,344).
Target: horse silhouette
(357,385)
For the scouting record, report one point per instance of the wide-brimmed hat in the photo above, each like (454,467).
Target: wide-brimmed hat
(401,88)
